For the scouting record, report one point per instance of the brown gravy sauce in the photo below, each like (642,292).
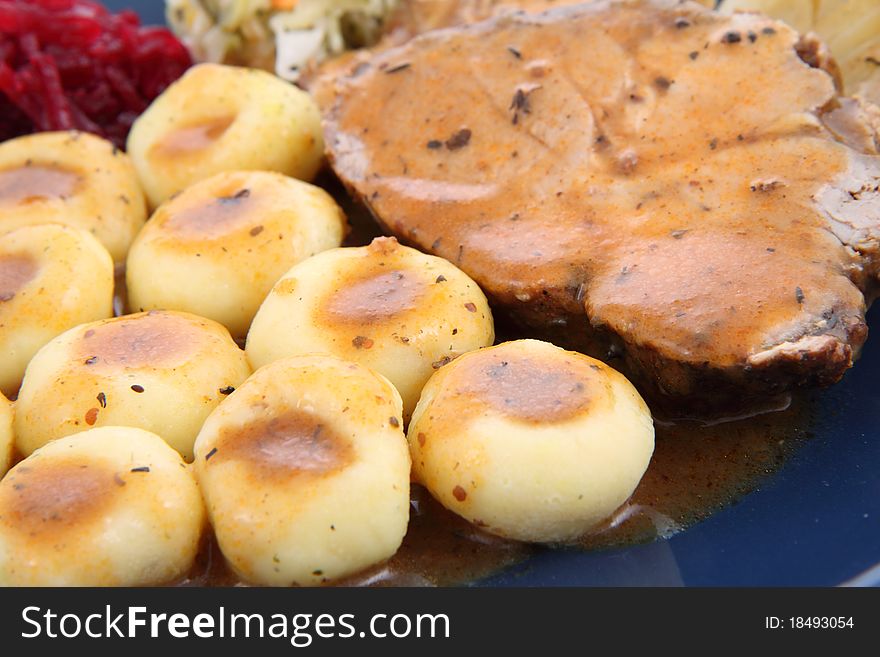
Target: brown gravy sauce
(377,296)
(529,389)
(153,339)
(291,444)
(36,183)
(16,271)
(185,141)
(57,496)
(212,218)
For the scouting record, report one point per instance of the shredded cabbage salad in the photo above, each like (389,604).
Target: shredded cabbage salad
(279,35)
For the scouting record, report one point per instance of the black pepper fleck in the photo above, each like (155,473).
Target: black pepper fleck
(137,388)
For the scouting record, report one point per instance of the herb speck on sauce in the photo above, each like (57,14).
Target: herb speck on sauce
(362,342)
(459,140)
(238,196)
(398,68)
(662,82)
(731,38)
(520,104)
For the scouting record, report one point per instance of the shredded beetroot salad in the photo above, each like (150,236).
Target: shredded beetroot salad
(72,64)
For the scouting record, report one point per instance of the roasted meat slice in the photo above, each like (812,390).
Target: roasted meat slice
(647,179)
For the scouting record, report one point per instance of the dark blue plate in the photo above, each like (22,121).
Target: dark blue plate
(816,522)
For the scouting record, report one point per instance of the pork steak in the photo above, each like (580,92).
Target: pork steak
(647,179)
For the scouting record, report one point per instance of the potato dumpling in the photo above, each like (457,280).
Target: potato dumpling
(6,435)
(113,506)
(529,441)
(217,248)
(399,311)
(305,472)
(222,118)
(160,371)
(52,277)
(75,179)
